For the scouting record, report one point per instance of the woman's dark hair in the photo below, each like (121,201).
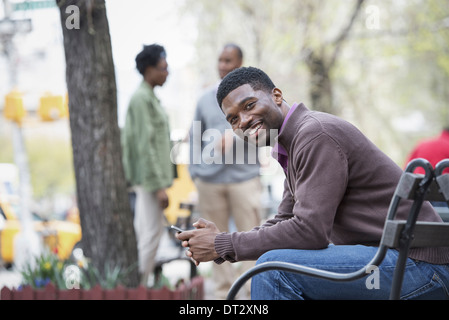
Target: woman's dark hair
(149,57)
(256,78)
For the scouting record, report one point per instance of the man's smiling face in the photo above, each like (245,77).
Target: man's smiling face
(254,115)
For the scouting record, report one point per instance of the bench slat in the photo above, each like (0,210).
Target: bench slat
(443,182)
(409,183)
(426,234)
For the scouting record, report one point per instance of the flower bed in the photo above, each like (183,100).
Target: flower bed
(194,290)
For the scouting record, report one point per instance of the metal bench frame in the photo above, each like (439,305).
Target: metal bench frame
(398,234)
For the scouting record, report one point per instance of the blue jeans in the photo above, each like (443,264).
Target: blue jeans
(421,280)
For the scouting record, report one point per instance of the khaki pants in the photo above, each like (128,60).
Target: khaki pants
(149,227)
(218,203)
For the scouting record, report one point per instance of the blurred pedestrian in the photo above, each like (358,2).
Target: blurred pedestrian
(434,150)
(227,180)
(146,156)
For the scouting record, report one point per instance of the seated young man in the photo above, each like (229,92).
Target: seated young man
(337,192)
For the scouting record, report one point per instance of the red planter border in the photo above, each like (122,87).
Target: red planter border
(194,290)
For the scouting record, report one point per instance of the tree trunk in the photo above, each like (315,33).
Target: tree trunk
(320,84)
(105,214)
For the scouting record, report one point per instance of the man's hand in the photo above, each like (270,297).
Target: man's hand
(201,242)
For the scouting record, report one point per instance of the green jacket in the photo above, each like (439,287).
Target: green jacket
(146,142)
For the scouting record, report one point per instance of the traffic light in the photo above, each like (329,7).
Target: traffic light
(14,109)
(51,107)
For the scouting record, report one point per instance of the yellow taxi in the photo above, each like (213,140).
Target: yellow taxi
(58,235)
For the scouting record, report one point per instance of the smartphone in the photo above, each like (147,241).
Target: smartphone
(177,229)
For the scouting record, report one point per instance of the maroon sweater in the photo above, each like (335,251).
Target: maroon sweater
(338,189)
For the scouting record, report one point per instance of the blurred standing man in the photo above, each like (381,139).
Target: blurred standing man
(146,156)
(225,188)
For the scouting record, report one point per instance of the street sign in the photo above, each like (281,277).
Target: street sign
(33,5)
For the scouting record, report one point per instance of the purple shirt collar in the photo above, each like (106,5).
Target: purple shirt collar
(279,152)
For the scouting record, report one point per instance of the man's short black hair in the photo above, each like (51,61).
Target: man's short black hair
(149,57)
(256,78)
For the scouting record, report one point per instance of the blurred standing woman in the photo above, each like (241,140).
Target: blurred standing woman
(146,156)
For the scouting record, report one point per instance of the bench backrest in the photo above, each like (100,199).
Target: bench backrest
(433,186)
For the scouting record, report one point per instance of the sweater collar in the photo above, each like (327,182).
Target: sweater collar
(280,149)
(288,129)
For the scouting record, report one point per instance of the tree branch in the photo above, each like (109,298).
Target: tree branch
(344,33)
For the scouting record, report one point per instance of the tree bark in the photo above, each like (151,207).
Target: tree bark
(320,90)
(106,218)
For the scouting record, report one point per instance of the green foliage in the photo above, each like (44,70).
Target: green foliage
(113,276)
(76,273)
(44,269)
(50,162)
(51,166)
